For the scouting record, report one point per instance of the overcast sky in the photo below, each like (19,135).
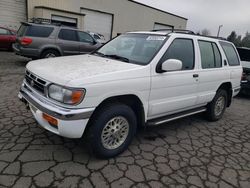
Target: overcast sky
(232,14)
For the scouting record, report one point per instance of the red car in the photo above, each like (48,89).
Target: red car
(7,38)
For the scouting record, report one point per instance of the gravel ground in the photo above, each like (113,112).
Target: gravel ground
(190,152)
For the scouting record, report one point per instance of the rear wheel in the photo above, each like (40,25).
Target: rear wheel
(112,130)
(50,54)
(218,106)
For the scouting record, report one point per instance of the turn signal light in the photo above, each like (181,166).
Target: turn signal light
(50,119)
(76,96)
(25,41)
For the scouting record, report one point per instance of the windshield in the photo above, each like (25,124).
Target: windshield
(133,48)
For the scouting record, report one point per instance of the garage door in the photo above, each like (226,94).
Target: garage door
(67,21)
(12,12)
(162,26)
(98,22)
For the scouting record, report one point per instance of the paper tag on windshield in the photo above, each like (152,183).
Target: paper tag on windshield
(156,38)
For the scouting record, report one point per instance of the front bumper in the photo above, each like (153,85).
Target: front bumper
(71,122)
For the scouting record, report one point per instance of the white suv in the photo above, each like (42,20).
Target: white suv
(137,79)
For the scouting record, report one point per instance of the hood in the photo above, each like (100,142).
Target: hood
(83,69)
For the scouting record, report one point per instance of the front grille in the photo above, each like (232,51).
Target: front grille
(34,82)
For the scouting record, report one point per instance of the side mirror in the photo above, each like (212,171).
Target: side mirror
(171,65)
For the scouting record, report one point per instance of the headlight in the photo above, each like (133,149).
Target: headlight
(66,95)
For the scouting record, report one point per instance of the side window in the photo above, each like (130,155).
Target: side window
(210,55)
(67,34)
(183,50)
(218,59)
(85,37)
(3,31)
(231,54)
(39,31)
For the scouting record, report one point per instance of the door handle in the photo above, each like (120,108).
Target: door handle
(195,75)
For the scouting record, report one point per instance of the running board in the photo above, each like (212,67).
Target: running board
(173,117)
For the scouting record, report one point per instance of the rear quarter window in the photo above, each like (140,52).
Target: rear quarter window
(21,31)
(230,53)
(39,31)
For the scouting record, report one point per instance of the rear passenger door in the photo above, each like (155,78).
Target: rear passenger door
(234,65)
(68,42)
(211,73)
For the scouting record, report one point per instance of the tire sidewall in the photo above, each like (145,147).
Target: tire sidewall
(51,52)
(99,123)
(218,95)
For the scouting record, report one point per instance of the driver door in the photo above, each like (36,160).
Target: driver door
(175,91)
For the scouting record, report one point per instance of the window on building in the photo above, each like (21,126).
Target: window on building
(39,31)
(85,37)
(67,34)
(231,54)
(183,50)
(210,55)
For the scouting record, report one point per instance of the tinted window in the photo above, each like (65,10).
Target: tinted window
(244,54)
(66,34)
(183,50)
(39,31)
(210,55)
(230,53)
(4,31)
(21,31)
(85,37)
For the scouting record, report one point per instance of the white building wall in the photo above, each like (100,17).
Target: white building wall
(12,12)
(128,16)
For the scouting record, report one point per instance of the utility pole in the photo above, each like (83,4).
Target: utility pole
(218,34)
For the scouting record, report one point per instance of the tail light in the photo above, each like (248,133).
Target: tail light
(25,41)
(244,77)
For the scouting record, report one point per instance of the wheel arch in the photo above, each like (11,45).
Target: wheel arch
(227,86)
(50,48)
(130,100)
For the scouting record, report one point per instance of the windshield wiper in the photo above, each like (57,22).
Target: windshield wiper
(99,54)
(118,57)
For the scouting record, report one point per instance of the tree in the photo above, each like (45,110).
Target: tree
(205,32)
(246,41)
(234,38)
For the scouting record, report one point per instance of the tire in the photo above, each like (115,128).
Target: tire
(217,107)
(103,126)
(50,54)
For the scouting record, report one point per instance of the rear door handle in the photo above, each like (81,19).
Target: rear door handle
(195,75)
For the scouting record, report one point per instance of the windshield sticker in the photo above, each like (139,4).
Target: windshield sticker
(156,38)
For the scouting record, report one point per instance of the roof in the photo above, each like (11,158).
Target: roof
(169,32)
(133,1)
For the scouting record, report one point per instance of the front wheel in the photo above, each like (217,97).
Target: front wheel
(218,106)
(112,130)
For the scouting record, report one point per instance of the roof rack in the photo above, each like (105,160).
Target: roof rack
(43,21)
(175,31)
(188,32)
